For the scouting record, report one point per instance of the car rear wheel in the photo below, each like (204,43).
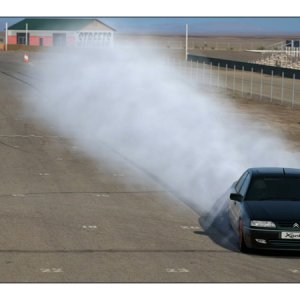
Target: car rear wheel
(242,246)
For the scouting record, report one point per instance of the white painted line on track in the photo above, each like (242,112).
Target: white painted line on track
(190,227)
(103,195)
(36,136)
(18,195)
(177,270)
(89,226)
(51,270)
(44,174)
(118,175)
(295,271)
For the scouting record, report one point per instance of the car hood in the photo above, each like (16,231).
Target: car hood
(269,210)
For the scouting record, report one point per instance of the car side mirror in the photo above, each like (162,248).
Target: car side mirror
(236,197)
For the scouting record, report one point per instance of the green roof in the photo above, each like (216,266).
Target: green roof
(71,24)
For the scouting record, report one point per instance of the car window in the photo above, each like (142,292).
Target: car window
(274,188)
(245,185)
(240,182)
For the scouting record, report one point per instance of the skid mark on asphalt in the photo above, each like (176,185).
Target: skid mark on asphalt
(21,80)
(12,146)
(27,75)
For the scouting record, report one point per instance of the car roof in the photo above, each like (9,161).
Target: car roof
(271,172)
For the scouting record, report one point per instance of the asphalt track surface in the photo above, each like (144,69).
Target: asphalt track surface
(64,218)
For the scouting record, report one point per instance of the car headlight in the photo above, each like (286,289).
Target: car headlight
(265,224)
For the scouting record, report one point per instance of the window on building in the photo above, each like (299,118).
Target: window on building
(21,38)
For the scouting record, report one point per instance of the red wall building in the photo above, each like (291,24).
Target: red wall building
(48,32)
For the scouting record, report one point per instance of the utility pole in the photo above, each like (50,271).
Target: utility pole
(26,34)
(186,40)
(6,36)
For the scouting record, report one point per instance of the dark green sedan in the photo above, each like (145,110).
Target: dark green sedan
(264,209)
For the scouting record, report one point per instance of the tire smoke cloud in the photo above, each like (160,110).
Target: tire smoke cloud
(191,139)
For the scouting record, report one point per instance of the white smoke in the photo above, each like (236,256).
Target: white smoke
(190,140)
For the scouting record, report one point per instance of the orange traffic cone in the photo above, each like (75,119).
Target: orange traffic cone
(26,58)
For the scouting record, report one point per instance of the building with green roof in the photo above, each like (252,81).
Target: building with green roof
(48,32)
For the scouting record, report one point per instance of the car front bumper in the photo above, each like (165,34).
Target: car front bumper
(272,238)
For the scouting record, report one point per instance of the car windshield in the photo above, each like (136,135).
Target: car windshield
(277,188)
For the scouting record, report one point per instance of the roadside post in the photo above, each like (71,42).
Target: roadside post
(251,86)
(261,83)
(271,91)
(243,81)
(282,80)
(233,86)
(293,97)
(210,74)
(218,83)
(226,69)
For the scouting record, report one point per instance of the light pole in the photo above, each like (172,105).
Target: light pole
(6,36)
(26,33)
(186,40)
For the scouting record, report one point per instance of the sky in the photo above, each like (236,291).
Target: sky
(198,25)
(207,25)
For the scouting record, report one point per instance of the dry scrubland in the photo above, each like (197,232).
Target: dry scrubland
(205,43)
